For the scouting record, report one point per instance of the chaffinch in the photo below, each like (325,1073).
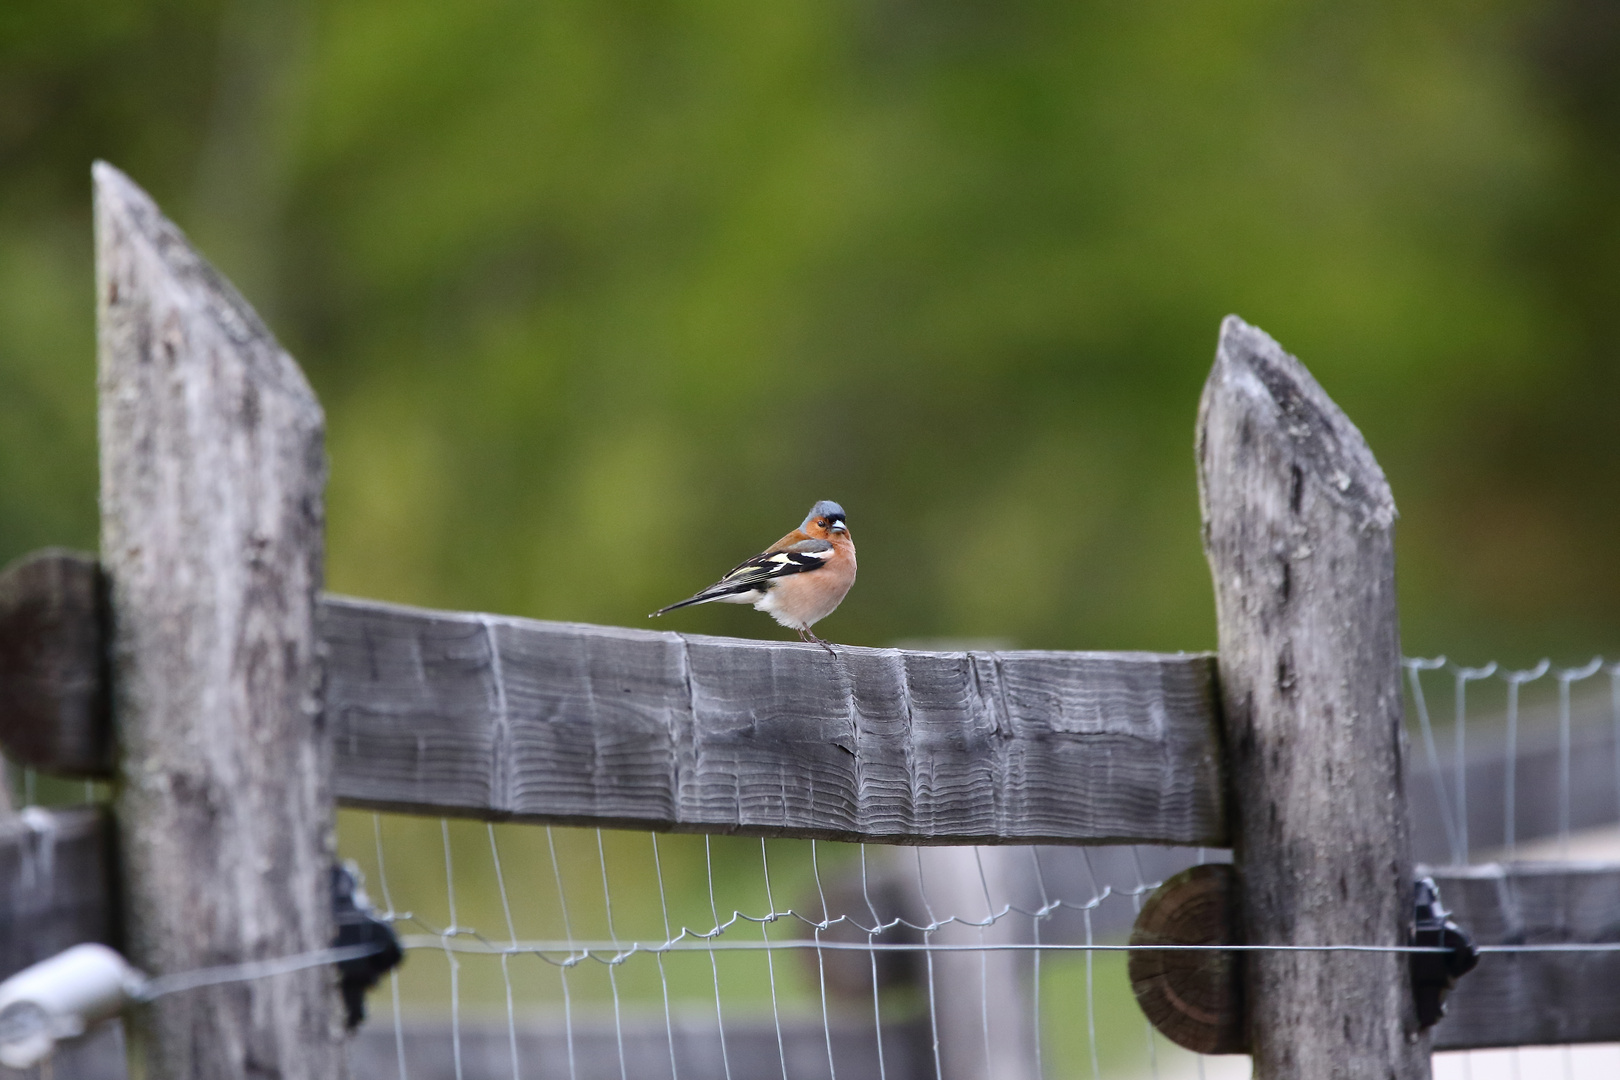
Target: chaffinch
(798,580)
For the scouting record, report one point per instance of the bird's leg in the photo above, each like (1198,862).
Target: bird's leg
(809,635)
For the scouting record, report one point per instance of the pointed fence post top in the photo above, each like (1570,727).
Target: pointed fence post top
(131,229)
(1267,401)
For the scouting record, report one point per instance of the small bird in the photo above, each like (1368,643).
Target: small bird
(798,580)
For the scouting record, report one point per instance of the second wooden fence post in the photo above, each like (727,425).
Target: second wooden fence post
(1299,532)
(212,471)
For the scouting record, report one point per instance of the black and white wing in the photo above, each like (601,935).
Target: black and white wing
(750,579)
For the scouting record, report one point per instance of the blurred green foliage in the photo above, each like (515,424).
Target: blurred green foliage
(599,298)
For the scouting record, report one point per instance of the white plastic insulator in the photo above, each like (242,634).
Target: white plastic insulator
(64,996)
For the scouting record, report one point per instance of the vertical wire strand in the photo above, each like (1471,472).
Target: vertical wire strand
(399,1028)
(663,976)
(1035,931)
(1510,810)
(393,975)
(821,965)
(871,938)
(714,963)
(1137,892)
(562,972)
(1464,676)
(770,962)
(1567,676)
(928,955)
(613,967)
(984,959)
(1414,667)
(506,957)
(450,953)
(1091,1002)
(1614,723)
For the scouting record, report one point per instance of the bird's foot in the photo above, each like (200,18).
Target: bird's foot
(809,635)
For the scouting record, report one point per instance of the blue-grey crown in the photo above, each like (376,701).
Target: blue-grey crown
(825,508)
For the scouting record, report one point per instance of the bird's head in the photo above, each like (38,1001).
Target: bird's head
(825,521)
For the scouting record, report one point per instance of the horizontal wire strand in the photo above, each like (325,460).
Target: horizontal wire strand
(615,953)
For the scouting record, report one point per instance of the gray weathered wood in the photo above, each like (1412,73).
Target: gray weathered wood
(1299,533)
(53,712)
(442,712)
(55,884)
(1526,999)
(212,471)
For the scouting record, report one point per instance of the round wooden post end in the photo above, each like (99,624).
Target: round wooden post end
(1194,998)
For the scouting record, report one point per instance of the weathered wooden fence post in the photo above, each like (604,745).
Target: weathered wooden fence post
(1299,533)
(212,472)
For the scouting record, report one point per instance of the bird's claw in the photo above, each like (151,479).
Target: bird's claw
(808,636)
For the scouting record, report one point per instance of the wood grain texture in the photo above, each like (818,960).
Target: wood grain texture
(1194,999)
(497,718)
(53,702)
(212,472)
(1299,533)
(56,884)
(1541,998)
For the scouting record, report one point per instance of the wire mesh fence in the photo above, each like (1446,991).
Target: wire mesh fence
(582,953)
(1516,765)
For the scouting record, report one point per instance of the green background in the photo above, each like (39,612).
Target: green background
(599,298)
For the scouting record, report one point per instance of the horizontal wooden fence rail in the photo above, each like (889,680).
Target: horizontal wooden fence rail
(504,718)
(501,718)
(416,700)
(1524,999)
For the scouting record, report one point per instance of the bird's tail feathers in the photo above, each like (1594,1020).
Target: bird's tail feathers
(729,592)
(700,598)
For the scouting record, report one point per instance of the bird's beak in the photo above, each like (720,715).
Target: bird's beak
(838,527)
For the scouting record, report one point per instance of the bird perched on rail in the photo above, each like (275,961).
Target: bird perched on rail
(798,580)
